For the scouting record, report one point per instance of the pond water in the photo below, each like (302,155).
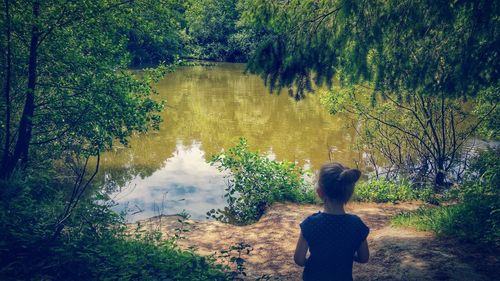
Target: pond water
(208,109)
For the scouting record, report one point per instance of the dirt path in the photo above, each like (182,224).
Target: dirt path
(396,253)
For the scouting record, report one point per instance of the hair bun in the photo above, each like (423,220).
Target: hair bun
(350,175)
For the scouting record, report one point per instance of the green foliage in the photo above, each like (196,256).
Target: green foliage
(210,23)
(476,218)
(255,182)
(419,137)
(95,244)
(125,259)
(400,47)
(83,96)
(381,191)
(234,255)
(490,128)
(214,32)
(399,66)
(154,34)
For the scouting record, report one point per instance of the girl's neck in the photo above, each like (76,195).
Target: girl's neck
(334,208)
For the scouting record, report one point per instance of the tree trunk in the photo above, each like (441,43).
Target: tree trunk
(25,125)
(8,72)
(439,180)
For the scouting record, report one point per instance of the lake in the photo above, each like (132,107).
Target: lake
(208,109)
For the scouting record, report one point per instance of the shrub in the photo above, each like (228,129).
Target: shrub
(255,182)
(381,191)
(476,218)
(94,244)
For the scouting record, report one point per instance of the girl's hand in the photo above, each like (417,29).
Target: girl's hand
(301,251)
(362,254)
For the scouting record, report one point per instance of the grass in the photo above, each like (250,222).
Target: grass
(382,191)
(476,218)
(439,219)
(471,221)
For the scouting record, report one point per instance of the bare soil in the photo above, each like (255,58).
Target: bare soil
(396,253)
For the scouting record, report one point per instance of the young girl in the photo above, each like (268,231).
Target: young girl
(334,238)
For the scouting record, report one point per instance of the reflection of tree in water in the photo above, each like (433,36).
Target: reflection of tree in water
(215,106)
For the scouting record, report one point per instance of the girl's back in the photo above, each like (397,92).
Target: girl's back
(333,241)
(334,238)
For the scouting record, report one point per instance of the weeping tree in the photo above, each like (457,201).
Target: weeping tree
(65,83)
(411,62)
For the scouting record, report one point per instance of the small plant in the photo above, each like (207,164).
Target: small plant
(233,257)
(234,261)
(255,182)
(183,220)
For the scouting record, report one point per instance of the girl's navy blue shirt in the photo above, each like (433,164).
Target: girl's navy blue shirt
(332,240)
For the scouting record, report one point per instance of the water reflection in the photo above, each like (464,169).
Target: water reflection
(209,108)
(185,182)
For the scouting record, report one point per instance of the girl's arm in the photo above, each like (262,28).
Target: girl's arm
(301,251)
(362,254)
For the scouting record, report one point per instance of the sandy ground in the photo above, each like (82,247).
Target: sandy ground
(396,253)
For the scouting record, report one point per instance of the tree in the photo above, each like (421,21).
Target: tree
(403,51)
(154,34)
(77,91)
(432,46)
(214,31)
(424,138)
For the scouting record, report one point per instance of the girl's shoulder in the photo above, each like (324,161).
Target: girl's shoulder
(325,218)
(327,223)
(321,215)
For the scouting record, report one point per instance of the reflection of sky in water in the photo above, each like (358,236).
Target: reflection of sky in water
(185,182)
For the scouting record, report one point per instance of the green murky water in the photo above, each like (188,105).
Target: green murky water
(209,108)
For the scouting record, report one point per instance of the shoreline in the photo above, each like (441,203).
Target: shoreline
(396,253)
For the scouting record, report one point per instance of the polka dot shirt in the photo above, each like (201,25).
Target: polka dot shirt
(332,240)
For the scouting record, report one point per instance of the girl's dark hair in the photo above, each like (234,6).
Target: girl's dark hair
(338,181)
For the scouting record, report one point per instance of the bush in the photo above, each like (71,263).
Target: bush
(381,191)
(255,182)
(112,258)
(94,245)
(476,218)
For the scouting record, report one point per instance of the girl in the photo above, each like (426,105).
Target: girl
(334,238)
